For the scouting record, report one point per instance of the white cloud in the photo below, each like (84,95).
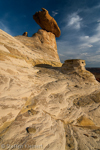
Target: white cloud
(90,45)
(4,28)
(84,41)
(61,54)
(74,21)
(4,24)
(86,37)
(94,38)
(95,58)
(86,47)
(84,54)
(54,13)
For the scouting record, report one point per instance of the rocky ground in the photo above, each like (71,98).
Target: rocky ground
(44,106)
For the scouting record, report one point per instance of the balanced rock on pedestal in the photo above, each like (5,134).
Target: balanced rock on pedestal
(46,22)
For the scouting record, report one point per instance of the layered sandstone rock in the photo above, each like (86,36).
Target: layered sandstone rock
(44,44)
(46,22)
(73,65)
(77,66)
(44,107)
(46,38)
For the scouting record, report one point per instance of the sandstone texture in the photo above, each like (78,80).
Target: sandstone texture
(42,43)
(46,22)
(77,66)
(45,107)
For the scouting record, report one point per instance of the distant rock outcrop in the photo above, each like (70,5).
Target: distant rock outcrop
(77,66)
(98,79)
(73,65)
(25,34)
(46,22)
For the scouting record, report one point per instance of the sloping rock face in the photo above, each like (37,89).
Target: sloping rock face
(47,39)
(44,107)
(46,22)
(44,44)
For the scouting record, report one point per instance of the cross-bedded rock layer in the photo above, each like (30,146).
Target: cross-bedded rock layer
(42,43)
(52,108)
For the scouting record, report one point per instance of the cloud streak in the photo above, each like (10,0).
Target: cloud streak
(5,28)
(81,37)
(54,13)
(4,23)
(74,21)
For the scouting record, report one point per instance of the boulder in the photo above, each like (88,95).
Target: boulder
(25,34)
(46,22)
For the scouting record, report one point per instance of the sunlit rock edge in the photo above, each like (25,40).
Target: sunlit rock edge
(43,102)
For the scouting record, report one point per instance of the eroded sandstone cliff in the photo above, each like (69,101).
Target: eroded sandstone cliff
(52,108)
(44,44)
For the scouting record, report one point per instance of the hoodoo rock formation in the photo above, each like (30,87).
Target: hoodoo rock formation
(49,106)
(46,22)
(42,43)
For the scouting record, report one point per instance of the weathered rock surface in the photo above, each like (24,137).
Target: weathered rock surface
(25,34)
(47,108)
(44,44)
(77,66)
(73,65)
(46,22)
(46,38)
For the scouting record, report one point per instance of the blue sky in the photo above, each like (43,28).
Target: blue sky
(79,21)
